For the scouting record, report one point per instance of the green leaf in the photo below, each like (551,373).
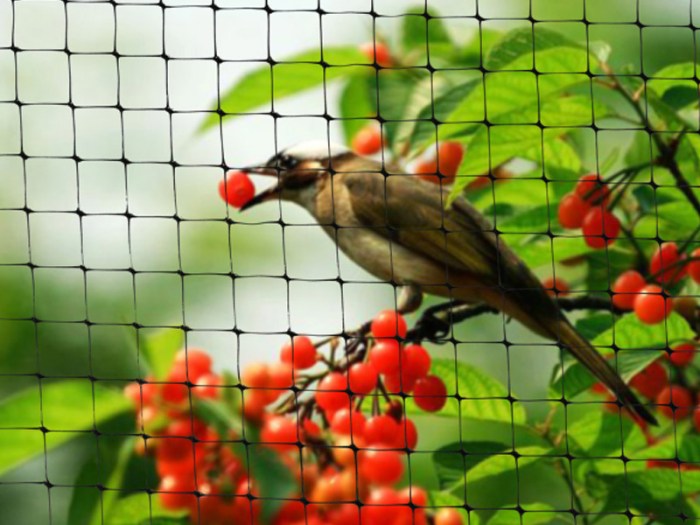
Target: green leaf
(538,514)
(159,347)
(86,498)
(636,342)
(218,415)
(599,434)
(485,398)
(418,32)
(440,499)
(498,464)
(272,477)
(424,131)
(593,325)
(298,73)
(536,219)
(516,50)
(64,405)
(111,499)
(453,461)
(673,221)
(143,509)
(358,101)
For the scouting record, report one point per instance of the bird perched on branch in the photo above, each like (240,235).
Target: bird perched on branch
(400,229)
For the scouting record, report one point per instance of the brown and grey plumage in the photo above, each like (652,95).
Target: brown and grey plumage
(399,228)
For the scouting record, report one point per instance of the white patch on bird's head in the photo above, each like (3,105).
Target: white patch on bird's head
(315,150)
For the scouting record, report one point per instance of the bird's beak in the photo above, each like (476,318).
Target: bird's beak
(266,195)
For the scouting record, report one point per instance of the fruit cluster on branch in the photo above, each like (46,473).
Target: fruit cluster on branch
(333,419)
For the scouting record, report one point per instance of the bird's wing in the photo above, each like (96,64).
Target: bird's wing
(412,212)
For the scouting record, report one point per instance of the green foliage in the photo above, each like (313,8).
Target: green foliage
(484,398)
(159,347)
(63,408)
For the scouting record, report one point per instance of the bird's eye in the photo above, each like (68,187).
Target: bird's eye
(287,162)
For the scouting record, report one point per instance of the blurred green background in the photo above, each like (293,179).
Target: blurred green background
(104,175)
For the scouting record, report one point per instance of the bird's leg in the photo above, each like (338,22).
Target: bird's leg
(410,299)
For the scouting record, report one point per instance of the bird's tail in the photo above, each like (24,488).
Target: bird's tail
(582,349)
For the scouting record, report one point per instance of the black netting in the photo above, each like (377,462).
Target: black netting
(141,317)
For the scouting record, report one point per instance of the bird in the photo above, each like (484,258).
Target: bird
(402,229)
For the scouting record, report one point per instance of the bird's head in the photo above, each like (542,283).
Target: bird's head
(299,171)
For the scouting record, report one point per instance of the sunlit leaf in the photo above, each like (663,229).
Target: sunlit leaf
(64,405)
(296,74)
(159,347)
(485,398)
(143,509)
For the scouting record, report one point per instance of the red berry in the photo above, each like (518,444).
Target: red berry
(280,379)
(381,506)
(382,429)
(409,439)
(254,403)
(384,467)
(556,287)
(600,228)
(385,356)
(175,390)
(626,288)
(280,432)
(389,323)
(651,306)
(346,422)
(448,517)
(592,189)
(599,388)
(378,53)
(427,170)
(675,402)
(663,266)
(572,210)
(362,378)
(367,141)
(236,189)
(449,156)
(177,492)
(650,381)
(694,266)
(207,387)
(256,375)
(416,361)
(173,449)
(132,391)
(197,362)
(430,394)
(696,419)
(331,395)
(682,355)
(398,383)
(415,495)
(301,354)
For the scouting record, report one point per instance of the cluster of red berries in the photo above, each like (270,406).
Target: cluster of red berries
(190,456)
(587,208)
(650,302)
(351,460)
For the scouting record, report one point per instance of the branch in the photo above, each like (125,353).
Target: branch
(435,326)
(668,152)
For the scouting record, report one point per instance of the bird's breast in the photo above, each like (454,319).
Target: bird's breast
(372,248)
